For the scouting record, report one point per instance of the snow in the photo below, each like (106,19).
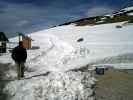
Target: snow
(64,86)
(58,49)
(98,22)
(56,52)
(62,41)
(111,16)
(97,40)
(130,14)
(0,44)
(58,57)
(128,8)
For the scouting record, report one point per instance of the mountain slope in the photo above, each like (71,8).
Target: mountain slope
(125,14)
(63,49)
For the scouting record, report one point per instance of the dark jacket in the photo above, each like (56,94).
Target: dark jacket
(19,54)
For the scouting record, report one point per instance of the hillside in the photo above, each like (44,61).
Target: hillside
(125,14)
(58,55)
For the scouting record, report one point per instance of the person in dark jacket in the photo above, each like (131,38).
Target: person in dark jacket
(19,55)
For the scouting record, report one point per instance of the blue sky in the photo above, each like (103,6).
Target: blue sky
(33,15)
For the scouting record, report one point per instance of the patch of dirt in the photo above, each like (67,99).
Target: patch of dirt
(115,85)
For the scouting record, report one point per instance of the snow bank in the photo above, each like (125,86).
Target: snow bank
(56,86)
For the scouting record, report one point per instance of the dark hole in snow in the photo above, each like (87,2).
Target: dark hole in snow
(118,26)
(80,40)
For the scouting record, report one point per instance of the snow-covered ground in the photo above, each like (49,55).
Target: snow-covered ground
(55,86)
(58,52)
(99,42)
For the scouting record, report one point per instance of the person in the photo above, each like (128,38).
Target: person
(19,55)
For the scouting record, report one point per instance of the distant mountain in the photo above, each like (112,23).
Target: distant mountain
(125,14)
